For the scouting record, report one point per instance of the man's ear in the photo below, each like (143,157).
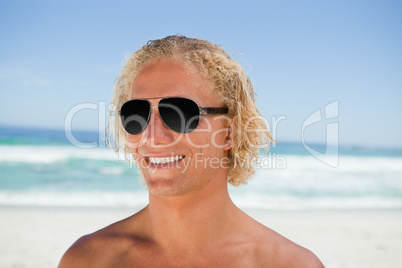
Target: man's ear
(229,136)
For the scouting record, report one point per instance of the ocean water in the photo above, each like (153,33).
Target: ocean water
(42,168)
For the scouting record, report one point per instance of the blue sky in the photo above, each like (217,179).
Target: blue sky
(300,56)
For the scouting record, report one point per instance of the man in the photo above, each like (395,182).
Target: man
(188,118)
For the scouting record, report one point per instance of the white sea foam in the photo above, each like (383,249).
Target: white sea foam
(74,199)
(353,171)
(346,163)
(306,183)
(49,154)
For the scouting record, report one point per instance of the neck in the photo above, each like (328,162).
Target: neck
(191,219)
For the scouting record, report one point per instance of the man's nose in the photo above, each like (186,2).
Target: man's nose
(157,133)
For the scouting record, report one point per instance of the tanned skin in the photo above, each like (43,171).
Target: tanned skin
(190,220)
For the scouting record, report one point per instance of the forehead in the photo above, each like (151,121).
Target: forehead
(173,78)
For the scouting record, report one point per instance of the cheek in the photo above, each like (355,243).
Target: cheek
(207,134)
(197,140)
(133,142)
(209,141)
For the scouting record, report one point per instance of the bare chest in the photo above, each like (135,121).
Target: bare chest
(155,257)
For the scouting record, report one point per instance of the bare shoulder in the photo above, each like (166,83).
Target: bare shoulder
(276,250)
(79,254)
(290,254)
(101,248)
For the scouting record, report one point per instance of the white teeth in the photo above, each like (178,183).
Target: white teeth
(162,160)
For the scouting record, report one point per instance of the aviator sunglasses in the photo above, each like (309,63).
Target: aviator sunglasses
(181,115)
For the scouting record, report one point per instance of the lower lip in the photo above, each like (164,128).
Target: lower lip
(163,165)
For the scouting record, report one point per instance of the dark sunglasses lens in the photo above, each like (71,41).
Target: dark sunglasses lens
(179,114)
(134,116)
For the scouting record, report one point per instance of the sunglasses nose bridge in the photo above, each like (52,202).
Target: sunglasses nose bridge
(156,133)
(152,109)
(155,121)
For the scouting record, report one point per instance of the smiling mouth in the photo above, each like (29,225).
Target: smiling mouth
(164,160)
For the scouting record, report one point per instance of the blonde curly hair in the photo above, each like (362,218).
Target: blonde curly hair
(249,131)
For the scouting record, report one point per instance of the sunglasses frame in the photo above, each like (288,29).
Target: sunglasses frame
(202,111)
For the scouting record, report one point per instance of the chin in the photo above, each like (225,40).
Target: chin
(162,187)
(167,188)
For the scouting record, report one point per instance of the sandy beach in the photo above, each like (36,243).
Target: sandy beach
(38,237)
